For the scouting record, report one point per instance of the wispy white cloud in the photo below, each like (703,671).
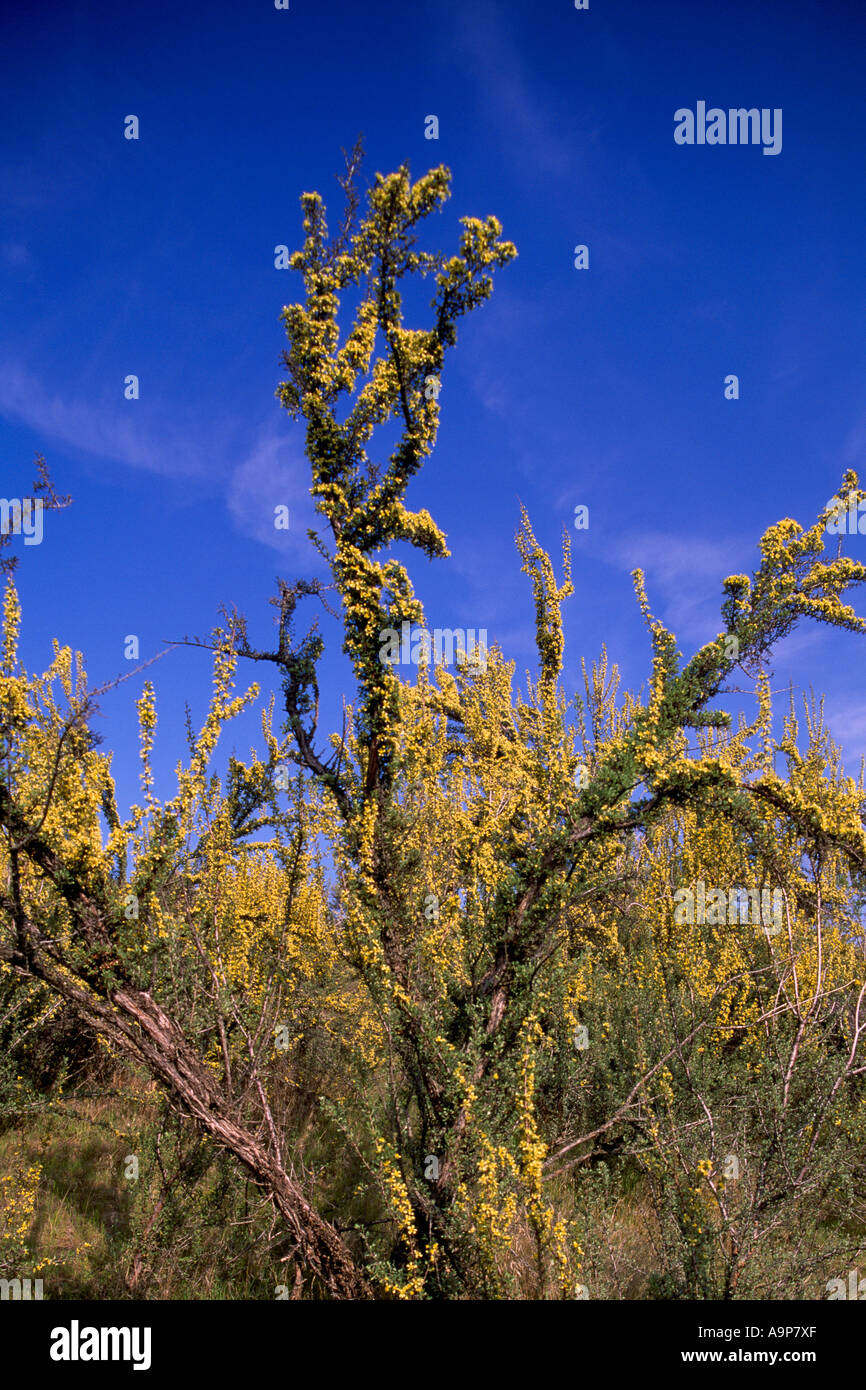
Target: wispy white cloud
(274,474)
(122,431)
(15,255)
(670,556)
(531,129)
(846,720)
(174,441)
(684,576)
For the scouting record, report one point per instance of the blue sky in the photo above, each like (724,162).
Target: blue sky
(602,386)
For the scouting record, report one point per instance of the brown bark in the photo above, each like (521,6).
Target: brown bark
(143,1031)
(130,1019)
